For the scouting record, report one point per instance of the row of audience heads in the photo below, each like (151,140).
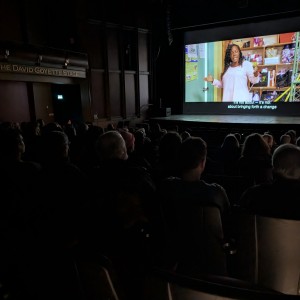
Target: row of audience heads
(191,150)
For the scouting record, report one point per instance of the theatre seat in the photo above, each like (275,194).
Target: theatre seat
(166,285)
(234,185)
(196,239)
(98,278)
(268,252)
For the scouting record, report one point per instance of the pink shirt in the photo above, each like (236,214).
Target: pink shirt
(235,82)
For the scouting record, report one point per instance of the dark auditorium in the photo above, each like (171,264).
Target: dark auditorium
(149,150)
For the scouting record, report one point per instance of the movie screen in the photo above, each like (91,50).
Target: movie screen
(256,74)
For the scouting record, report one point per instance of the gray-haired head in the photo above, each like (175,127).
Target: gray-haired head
(111,145)
(286,161)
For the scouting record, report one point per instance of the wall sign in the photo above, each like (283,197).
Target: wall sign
(41,71)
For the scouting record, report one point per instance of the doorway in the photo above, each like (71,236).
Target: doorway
(66,103)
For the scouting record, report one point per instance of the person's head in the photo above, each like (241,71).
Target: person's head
(269,139)
(285,139)
(129,139)
(238,136)
(192,153)
(40,122)
(55,146)
(234,55)
(230,142)
(111,145)
(292,133)
(52,126)
(184,135)
(12,144)
(169,145)
(255,146)
(139,138)
(286,162)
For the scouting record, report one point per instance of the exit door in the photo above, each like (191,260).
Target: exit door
(67,103)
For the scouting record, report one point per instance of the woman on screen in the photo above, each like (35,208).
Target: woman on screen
(234,79)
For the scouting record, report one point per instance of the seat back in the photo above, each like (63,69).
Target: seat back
(197,239)
(166,285)
(271,248)
(98,278)
(234,185)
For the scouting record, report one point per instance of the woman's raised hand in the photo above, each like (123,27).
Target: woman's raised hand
(209,78)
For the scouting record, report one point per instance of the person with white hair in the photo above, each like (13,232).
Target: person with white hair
(280,197)
(123,222)
(111,145)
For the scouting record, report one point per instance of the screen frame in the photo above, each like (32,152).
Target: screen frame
(233,30)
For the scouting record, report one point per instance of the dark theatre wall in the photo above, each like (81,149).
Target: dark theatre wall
(112,48)
(131,55)
(14,105)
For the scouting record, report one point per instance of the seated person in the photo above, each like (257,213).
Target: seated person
(278,198)
(124,224)
(255,162)
(182,200)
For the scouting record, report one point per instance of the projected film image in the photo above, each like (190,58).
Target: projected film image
(259,70)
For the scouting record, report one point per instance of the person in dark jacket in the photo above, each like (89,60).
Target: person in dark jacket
(278,198)
(182,199)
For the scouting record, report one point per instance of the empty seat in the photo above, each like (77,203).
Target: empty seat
(166,285)
(268,252)
(196,239)
(99,278)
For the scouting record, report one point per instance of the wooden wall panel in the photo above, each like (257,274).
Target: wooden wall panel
(94,44)
(130,95)
(118,54)
(113,49)
(14,104)
(144,90)
(98,102)
(10,21)
(43,102)
(143,52)
(115,94)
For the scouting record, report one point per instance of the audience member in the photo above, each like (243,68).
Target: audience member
(31,132)
(285,139)
(21,174)
(144,154)
(157,133)
(18,180)
(255,161)
(293,134)
(181,198)
(52,220)
(269,139)
(279,198)
(238,136)
(229,154)
(167,164)
(63,186)
(184,135)
(129,139)
(84,147)
(125,226)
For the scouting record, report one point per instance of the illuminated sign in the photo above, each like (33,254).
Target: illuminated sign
(43,71)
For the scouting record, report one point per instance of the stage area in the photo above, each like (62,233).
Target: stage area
(214,127)
(230,119)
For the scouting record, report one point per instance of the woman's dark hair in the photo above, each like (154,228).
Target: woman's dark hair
(192,151)
(227,59)
(255,146)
